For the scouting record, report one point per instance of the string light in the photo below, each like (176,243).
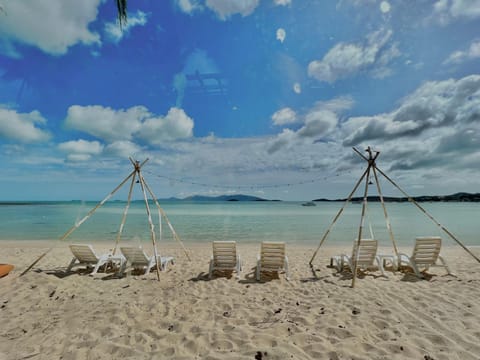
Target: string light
(252,186)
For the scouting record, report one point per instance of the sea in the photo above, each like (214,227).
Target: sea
(242,221)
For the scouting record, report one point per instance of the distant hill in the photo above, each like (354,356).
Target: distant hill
(238,197)
(458,197)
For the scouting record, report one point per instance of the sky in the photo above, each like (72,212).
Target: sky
(260,97)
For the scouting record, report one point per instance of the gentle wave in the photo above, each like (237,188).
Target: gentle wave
(239,221)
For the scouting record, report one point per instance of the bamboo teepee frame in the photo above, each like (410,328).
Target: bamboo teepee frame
(372,168)
(135,175)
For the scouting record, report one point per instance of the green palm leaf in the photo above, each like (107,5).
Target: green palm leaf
(122,12)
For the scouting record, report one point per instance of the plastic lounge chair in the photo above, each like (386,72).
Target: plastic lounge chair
(139,260)
(425,255)
(84,255)
(272,258)
(225,257)
(367,257)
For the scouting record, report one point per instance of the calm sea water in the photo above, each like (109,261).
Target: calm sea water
(239,221)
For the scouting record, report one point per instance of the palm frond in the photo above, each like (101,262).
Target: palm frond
(122,12)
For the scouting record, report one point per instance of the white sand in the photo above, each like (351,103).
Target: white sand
(47,314)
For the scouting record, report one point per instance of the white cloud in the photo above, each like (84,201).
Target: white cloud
(284,116)
(80,150)
(51,25)
(22,127)
(319,122)
(106,123)
(124,125)
(281,34)
(457,57)
(81,146)
(189,6)
(346,59)
(115,34)
(122,148)
(175,125)
(466,8)
(336,105)
(284,140)
(447,11)
(282,2)
(226,8)
(434,106)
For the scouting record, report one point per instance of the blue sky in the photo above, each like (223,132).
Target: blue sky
(287,88)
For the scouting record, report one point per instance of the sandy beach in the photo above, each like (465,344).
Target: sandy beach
(49,314)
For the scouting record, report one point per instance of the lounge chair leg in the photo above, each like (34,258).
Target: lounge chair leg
(121,269)
(380,267)
(287,273)
(97,266)
(210,269)
(258,270)
(239,266)
(71,265)
(417,272)
(444,264)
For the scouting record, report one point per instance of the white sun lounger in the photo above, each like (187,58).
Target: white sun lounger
(425,255)
(367,257)
(137,258)
(272,258)
(225,257)
(84,255)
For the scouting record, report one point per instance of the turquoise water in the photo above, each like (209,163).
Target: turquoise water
(239,221)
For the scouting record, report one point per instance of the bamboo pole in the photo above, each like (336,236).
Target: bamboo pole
(387,219)
(125,212)
(324,237)
(362,218)
(160,226)
(73,228)
(361,155)
(429,216)
(36,261)
(152,227)
(90,213)
(174,233)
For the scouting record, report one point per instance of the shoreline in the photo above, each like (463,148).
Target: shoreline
(41,243)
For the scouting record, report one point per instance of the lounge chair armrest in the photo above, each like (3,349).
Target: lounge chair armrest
(105,257)
(403,258)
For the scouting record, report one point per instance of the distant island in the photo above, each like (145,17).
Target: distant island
(458,197)
(236,197)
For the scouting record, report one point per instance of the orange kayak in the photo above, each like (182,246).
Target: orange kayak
(5,269)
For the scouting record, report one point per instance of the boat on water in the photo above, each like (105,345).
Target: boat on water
(309,203)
